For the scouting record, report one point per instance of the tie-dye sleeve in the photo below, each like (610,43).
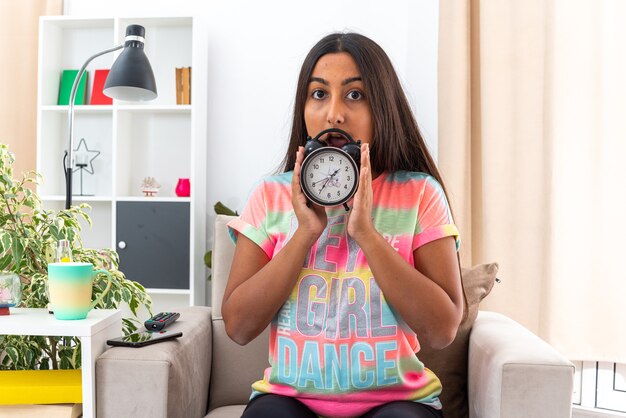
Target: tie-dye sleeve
(252,222)
(434,215)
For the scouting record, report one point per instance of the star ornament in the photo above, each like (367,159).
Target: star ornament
(84,156)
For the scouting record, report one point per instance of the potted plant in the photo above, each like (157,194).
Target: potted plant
(28,240)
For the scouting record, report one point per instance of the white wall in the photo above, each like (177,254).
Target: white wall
(254,50)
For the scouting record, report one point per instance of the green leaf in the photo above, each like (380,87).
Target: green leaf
(6,360)
(44,364)
(17,249)
(126,296)
(208,259)
(54,231)
(6,179)
(5,261)
(133,304)
(30,357)
(13,355)
(65,363)
(5,241)
(222,209)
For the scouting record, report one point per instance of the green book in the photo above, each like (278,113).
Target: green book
(65,88)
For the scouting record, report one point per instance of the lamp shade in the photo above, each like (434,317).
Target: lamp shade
(131,77)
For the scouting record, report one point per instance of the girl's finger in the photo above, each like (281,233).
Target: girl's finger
(295,182)
(365,153)
(364,178)
(365,162)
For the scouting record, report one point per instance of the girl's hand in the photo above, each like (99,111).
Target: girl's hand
(311,219)
(360,220)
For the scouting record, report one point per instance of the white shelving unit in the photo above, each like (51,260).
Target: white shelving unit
(159,138)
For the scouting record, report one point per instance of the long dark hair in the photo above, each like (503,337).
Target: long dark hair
(397,143)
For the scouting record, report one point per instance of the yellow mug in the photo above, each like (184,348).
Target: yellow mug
(69,287)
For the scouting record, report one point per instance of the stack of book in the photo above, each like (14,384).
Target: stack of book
(67,410)
(183,85)
(41,393)
(97,96)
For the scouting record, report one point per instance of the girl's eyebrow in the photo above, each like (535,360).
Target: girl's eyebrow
(351,80)
(319,80)
(343,83)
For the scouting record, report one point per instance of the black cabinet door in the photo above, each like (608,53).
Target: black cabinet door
(153,243)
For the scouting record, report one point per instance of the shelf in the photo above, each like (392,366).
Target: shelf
(121,107)
(152,199)
(155,108)
(78,108)
(72,22)
(152,145)
(161,22)
(61,198)
(168,291)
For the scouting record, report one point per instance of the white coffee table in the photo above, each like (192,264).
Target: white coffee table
(99,326)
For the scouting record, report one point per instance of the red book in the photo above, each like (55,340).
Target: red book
(97,96)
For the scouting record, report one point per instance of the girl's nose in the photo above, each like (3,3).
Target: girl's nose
(336,112)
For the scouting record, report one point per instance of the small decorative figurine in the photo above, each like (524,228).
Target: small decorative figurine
(83,160)
(150,187)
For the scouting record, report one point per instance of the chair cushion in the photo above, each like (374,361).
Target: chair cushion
(450,364)
(234,367)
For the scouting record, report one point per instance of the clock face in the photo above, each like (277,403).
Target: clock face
(329,176)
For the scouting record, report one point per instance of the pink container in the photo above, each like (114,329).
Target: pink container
(183,188)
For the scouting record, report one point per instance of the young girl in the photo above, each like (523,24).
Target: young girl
(350,296)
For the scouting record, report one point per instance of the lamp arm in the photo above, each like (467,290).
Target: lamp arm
(69,167)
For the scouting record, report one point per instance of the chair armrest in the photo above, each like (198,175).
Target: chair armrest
(167,379)
(513,373)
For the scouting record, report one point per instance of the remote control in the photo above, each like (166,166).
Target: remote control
(161,320)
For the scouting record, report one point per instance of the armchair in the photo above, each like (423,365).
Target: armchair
(512,373)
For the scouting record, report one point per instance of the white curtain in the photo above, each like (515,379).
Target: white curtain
(588,132)
(532,144)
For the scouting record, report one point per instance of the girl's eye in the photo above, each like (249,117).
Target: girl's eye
(318,94)
(355,95)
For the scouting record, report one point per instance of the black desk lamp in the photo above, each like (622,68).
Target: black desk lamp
(130,78)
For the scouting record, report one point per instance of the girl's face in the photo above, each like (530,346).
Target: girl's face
(336,99)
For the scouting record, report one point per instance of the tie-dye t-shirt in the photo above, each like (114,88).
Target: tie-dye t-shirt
(336,345)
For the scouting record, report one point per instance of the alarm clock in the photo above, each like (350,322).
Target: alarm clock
(330,175)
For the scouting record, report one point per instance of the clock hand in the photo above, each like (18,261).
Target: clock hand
(325,183)
(322,179)
(328,179)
